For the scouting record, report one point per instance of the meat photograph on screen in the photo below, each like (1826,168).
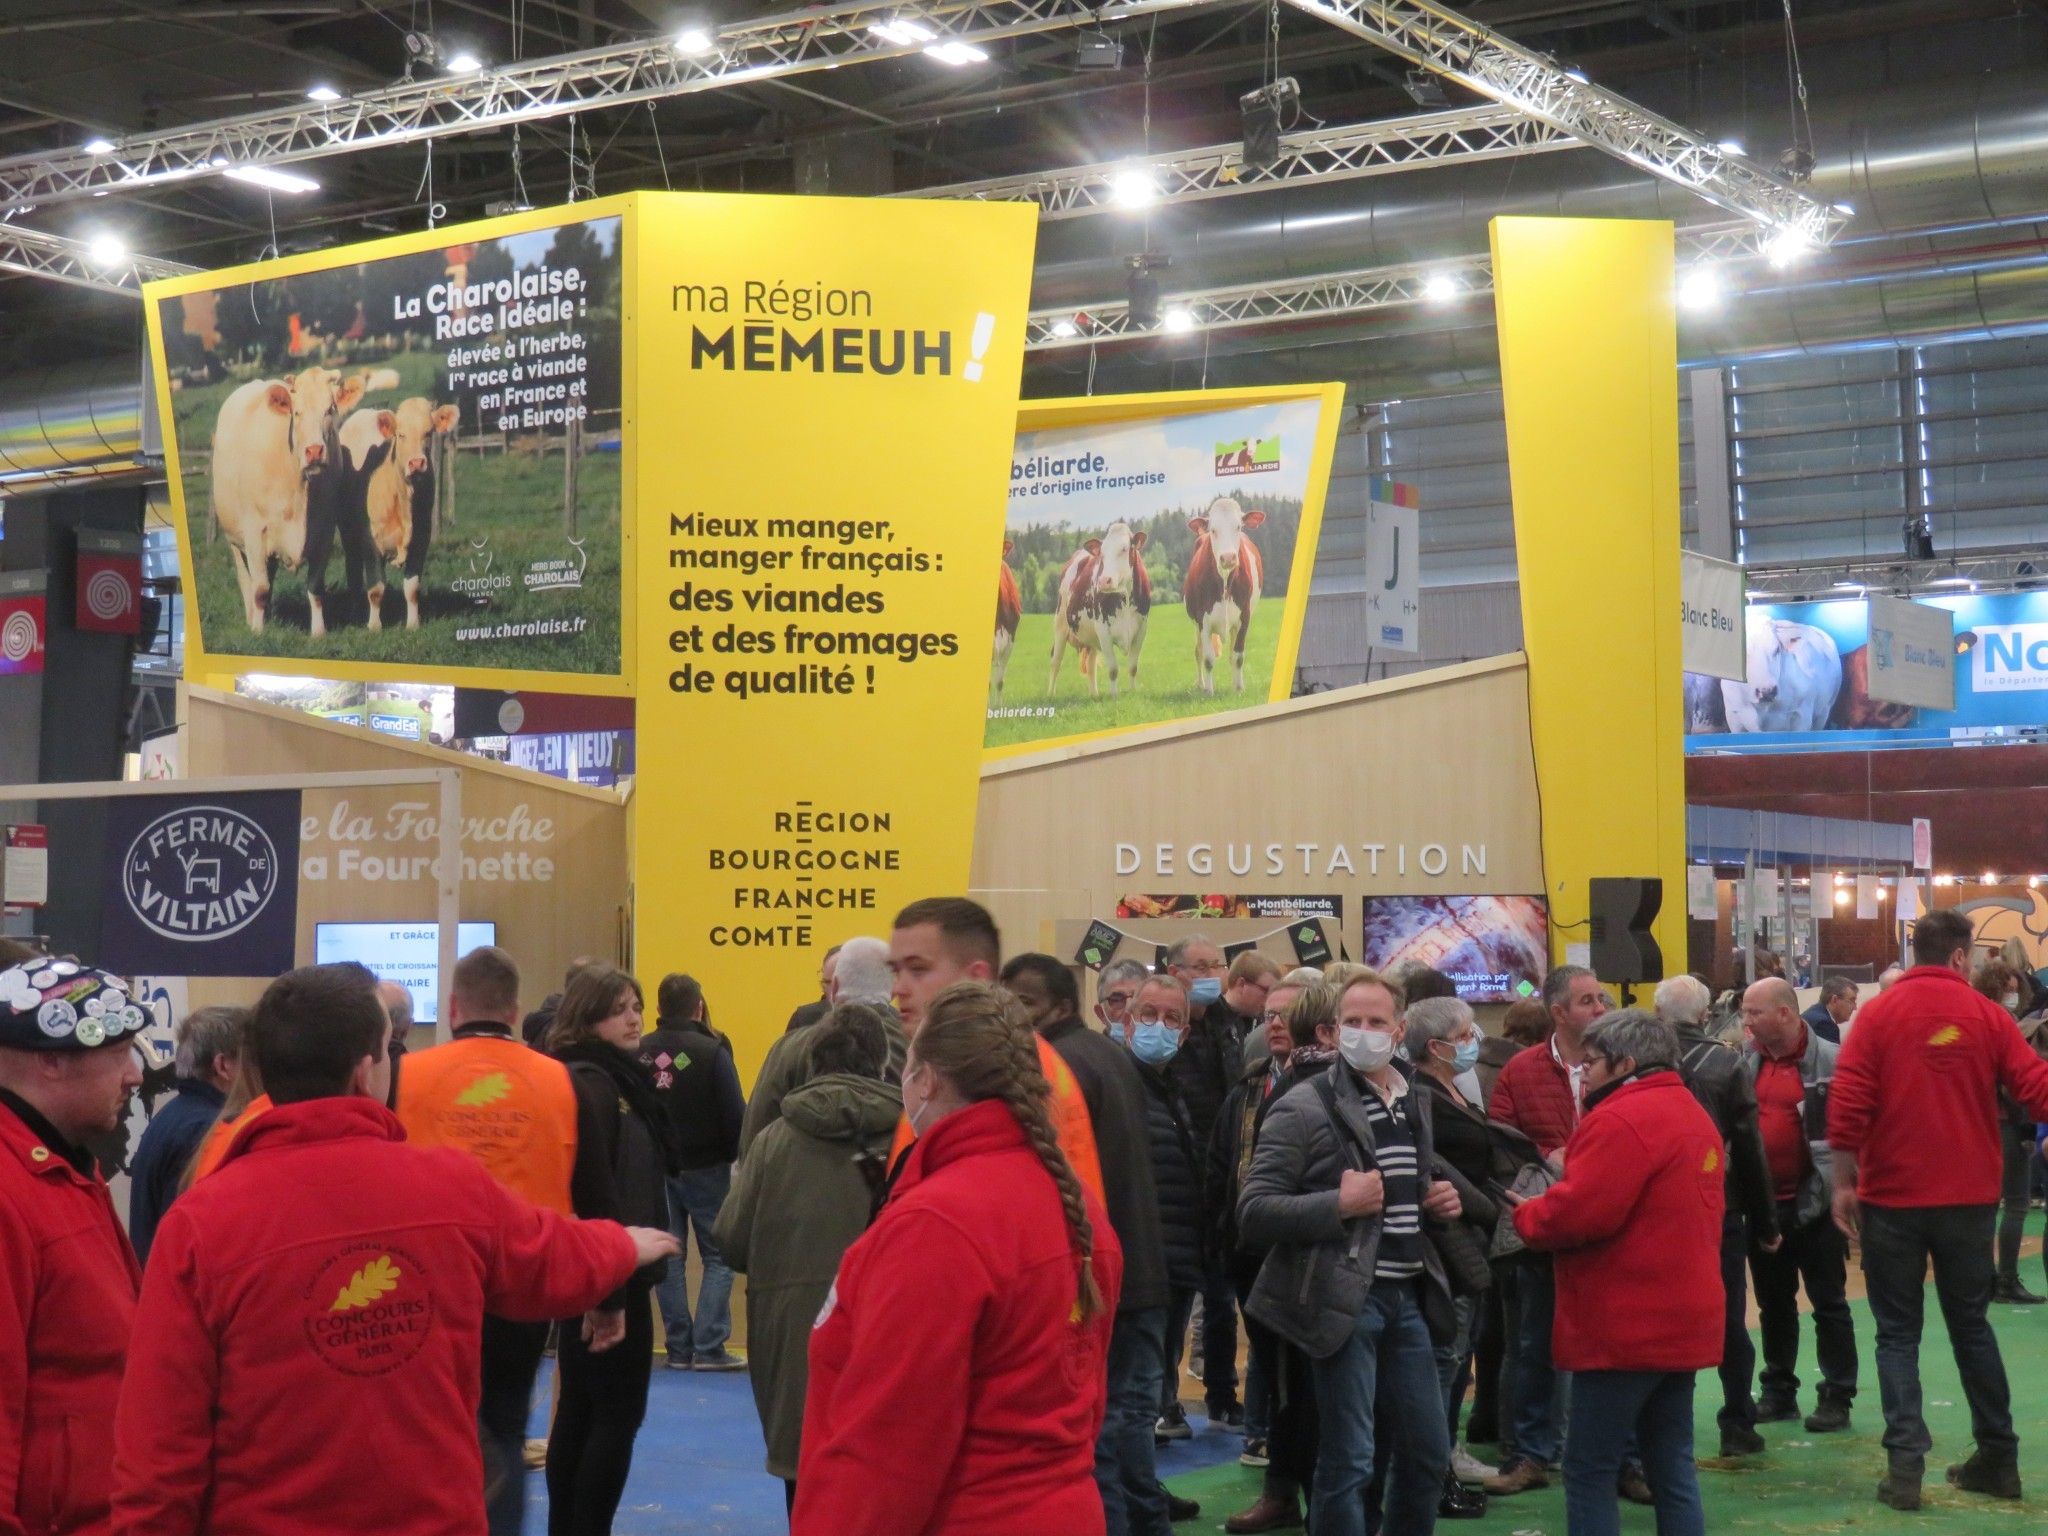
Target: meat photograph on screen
(1496,948)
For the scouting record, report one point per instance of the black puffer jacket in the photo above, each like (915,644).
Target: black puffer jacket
(1176,1176)
(1206,1068)
(1716,1077)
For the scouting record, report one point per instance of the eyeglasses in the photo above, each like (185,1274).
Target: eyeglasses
(1117,999)
(1272,1016)
(1154,1016)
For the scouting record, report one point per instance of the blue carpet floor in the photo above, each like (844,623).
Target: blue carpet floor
(697,1464)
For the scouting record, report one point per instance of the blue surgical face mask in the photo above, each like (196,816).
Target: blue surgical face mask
(1154,1044)
(1468,1054)
(1206,990)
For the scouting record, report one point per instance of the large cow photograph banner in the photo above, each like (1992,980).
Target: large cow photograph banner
(402,460)
(1156,559)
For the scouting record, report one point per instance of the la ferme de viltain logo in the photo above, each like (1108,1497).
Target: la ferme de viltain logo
(199,873)
(368,1310)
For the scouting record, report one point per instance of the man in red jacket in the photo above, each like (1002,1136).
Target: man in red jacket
(1635,1224)
(1539,1093)
(67,1275)
(1913,1120)
(306,1353)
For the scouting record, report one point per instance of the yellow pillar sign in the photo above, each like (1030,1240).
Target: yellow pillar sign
(1589,371)
(824,399)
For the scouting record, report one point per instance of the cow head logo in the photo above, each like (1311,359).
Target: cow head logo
(200,873)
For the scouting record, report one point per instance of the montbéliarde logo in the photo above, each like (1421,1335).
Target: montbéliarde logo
(819,329)
(200,873)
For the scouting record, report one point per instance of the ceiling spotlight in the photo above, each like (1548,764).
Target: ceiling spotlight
(1098,50)
(1424,89)
(1700,288)
(1786,245)
(902,31)
(1841,898)
(106,251)
(1990,878)
(1261,111)
(1177,321)
(99,146)
(1730,147)
(1132,188)
(957,53)
(695,40)
(1065,328)
(1441,289)
(464,63)
(1141,288)
(272,180)
(323,93)
(1846,210)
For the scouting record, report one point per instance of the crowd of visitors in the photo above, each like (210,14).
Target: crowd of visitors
(987,1229)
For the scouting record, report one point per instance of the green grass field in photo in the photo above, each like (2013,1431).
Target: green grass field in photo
(510,501)
(1167,681)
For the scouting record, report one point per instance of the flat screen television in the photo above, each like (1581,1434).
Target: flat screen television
(1496,948)
(407,953)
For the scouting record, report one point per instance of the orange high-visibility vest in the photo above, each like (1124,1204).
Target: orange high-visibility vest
(504,1103)
(1069,1121)
(221,1136)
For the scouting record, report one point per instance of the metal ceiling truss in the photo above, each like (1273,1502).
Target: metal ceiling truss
(1324,154)
(776,47)
(38,254)
(1256,304)
(1446,43)
(1821,581)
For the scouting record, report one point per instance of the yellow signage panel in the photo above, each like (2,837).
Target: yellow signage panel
(824,401)
(404,459)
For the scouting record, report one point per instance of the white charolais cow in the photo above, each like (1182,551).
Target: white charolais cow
(392,491)
(1795,672)
(274,451)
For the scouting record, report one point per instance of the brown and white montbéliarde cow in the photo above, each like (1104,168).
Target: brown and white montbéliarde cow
(1222,587)
(391,489)
(1009,609)
(1105,602)
(275,481)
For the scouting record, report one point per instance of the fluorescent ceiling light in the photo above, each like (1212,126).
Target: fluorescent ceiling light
(1848,586)
(1441,289)
(273,180)
(99,146)
(106,251)
(1700,288)
(1951,581)
(1177,321)
(957,53)
(1846,210)
(323,93)
(902,31)
(695,40)
(1730,147)
(465,63)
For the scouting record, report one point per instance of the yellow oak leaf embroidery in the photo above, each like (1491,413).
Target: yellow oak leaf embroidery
(1713,1160)
(374,1280)
(1948,1034)
(487,1089)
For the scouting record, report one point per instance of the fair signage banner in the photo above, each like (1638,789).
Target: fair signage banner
(1393,564)
(1711,593)
(1912,653)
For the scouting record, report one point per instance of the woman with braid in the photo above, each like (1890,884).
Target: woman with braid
(958,1365)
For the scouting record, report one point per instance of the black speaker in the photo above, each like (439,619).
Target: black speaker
(1623,947)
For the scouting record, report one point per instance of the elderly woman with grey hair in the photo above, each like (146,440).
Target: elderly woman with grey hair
(1443,1042)
(1634,1228)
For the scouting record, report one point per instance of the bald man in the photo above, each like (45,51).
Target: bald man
(1791,1066)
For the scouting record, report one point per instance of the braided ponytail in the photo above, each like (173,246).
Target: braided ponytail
(975,1036)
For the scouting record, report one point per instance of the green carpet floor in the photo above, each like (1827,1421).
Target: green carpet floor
(1803,1482)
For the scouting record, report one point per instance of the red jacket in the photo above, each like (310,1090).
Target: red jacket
(951,1390)
(67,1303)
(306,1352)
(1915,1095)
(1534,1095)
(1635,1224)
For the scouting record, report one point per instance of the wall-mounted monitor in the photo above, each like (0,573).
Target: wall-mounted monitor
(407,953)
(1496,948)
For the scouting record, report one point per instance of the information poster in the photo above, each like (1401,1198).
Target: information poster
(826,402)
(402,460)
(1156,559)
(1393,565)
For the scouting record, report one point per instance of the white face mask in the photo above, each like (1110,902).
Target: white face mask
(2012,1002)
(1364,1050)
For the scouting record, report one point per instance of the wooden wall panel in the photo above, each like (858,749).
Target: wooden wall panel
(1439,762)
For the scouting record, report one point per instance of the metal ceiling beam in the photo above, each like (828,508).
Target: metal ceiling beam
(795,43)
(1323,154)
(37,254)
(1251,304)
(1446,43)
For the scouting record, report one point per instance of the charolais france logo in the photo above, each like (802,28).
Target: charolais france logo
(199,873)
